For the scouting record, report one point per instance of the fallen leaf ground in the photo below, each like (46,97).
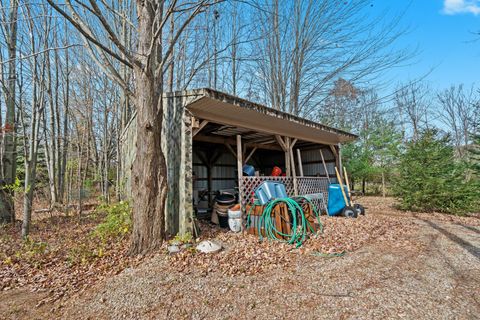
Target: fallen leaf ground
(397,265)
(60,258)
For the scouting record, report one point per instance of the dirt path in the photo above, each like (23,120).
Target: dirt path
(439,278)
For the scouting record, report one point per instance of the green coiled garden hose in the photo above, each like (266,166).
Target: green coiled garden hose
(300,226)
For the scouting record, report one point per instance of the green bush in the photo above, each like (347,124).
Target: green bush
(431,179)
(118,220)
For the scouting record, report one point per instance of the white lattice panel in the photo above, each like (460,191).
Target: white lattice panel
(250,184)
(311,185)
(306,185)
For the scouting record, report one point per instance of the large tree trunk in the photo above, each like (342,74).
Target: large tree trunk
(149,170)
(149,183)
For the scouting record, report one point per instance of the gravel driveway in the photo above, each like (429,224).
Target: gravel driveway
(432,273)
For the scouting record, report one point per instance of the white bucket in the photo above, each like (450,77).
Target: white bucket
(235,224)
(234,214)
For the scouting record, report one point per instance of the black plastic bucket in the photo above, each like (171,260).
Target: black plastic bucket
(223,221)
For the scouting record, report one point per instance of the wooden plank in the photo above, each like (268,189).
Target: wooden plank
(340,164)
(309,215)
(234,154)
(230,141)
(324,165)
(348,185)
(219,165)
(293,143)
(201,157)
(280,141)
(256,211)
(341,187)
(286,221)
(218,179)
(278,220)
(239,167)
(287,157)
(294,172)
(250,154)
(319,162)
(300,164)
(334,151)
(200,127)
(337,158)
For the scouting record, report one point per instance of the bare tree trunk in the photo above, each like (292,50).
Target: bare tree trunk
(9,167)
(64,139)
(79,173)
(105,152)
(51,144)
(171,66)
(37,113)
(383,184)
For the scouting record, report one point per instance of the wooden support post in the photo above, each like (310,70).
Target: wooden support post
(300,165)
(239,166)
(324,165)
(288,169)
(285,145)
(340,164)
(294,172)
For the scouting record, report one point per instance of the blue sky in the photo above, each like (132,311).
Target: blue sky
(443,31)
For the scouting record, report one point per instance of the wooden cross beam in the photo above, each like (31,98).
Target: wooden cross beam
(229,147)
(200,127)
(250,154)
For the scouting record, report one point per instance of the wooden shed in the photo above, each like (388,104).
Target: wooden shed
(213,134)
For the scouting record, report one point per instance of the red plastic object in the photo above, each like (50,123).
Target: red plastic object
(276,172)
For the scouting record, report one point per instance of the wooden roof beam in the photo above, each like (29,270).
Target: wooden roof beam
(232,142)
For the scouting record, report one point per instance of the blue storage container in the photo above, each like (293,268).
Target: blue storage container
(248,170)
(336,203)
(269,190)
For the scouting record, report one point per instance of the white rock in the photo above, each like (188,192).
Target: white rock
(208,246)
(173,249)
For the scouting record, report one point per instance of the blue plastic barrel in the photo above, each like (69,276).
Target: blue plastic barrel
(269,190)
(336,203)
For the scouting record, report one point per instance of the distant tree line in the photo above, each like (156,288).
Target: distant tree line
(420,145)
